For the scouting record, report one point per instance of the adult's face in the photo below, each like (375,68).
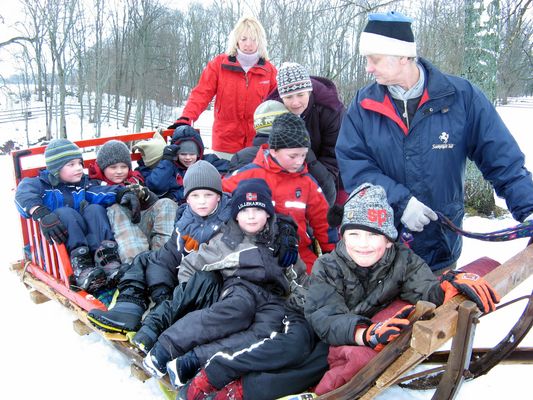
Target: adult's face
(297,103)
(247,44)
(387,70)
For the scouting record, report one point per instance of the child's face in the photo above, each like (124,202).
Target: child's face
(72,172)
(187,159)
(203,201)
(116,173)
(290,159)
(252,220)
(364,247)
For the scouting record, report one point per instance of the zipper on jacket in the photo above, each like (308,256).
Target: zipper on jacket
(246,79)
(406,114)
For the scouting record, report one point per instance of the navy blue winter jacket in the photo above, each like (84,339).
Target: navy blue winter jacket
(454,121)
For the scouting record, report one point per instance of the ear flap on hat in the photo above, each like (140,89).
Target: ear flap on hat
(335,214)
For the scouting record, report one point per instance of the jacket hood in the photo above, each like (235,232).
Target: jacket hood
(325,93)
(186,132)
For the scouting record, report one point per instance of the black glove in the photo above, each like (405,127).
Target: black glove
(179,122)
(285,245)
(51,226)
(145,196)
(170,152)
(128,199)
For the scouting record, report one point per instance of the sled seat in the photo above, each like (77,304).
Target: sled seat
(50,264)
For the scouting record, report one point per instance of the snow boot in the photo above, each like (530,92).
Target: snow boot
(86,276)
(156,361)
(107,258)
(183,368)
(124,317)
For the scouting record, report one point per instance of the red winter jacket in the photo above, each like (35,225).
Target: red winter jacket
(237,96)
(296,194)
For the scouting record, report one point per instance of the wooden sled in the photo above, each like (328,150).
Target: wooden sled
(426,336)
(46,273)
(50,264)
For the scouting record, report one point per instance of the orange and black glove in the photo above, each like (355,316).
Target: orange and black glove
(382,333)
(472,286)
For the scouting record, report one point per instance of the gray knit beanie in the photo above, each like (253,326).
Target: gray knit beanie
(367,208)
(265,114)
(288,132)
(293,78)
(113,152)
(202,175)
(58,153)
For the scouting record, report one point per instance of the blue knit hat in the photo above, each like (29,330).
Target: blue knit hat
(58,153)
(388,34)
(252,192)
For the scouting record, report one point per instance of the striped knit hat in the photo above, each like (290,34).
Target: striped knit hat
(367,208)
(58,153)
(388,34)
(293,78)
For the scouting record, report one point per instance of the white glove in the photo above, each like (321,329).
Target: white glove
(416,215)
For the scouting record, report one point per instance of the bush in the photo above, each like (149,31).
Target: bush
(479,194)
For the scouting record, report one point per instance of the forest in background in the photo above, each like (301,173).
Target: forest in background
(141,52)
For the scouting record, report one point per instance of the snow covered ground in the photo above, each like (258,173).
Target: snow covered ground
(44,358)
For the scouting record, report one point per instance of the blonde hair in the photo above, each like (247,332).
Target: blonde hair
(255,30)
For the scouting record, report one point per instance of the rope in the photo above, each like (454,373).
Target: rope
(525,229)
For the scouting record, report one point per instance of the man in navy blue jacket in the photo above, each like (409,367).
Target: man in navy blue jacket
(411,132)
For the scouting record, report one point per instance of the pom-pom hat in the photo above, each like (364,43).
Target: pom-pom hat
(388,34)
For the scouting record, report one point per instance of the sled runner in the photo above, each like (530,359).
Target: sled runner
(46,271)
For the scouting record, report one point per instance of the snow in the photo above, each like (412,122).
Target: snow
(46,359)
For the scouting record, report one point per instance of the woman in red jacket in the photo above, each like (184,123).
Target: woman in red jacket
(240,79)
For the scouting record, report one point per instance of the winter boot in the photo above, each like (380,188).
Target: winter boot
(106,257)
(124,317)
(183,368)
(86,276)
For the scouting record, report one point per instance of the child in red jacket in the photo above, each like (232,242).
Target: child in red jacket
(282,165)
